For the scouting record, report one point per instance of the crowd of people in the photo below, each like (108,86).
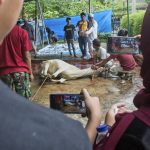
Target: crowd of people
(87,32)
(87,38)
(25,125)
(126,61)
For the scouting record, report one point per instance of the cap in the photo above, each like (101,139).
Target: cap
(91,15)
(102,128)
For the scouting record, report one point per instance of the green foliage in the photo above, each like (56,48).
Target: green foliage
(29,9)
(147,1)
(135,22)
(119,8)
(124,22)
(103,36)
(138,23)
(61,8)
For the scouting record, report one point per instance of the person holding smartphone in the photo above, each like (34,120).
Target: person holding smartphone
(131,130)
(126,61)
(25,125)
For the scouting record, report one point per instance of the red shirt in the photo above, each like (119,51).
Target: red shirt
(12,51)
(126,61)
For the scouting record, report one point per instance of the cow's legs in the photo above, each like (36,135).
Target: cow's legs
(62,80)
(58,72)
(45,69)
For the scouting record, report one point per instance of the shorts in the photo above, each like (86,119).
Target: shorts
(18,81)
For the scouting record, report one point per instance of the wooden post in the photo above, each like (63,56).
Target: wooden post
(128,17)
(89,6)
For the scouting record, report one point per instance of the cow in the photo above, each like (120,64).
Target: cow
(56,67)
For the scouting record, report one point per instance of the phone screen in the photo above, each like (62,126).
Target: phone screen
(68,103)
(122,45)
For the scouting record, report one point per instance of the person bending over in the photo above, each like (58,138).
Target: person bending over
(126,61)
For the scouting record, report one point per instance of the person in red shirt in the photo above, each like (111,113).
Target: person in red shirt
(15,61)
(30,126)
(127,61)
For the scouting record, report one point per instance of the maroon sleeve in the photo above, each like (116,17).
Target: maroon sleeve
(26,43)
(113,56)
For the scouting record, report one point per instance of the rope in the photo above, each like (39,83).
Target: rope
(39,89)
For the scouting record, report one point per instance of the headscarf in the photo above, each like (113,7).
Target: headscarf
(143,96)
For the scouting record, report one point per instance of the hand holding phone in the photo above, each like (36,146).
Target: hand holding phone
(68,103)
(92,104)
(81,103)
(122,45)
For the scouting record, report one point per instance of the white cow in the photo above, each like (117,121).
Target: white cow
(56,67)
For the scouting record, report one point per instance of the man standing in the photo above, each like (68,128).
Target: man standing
(15,61)
(29,28)
(83,39)
(69,35)
(49,33)
(92,33)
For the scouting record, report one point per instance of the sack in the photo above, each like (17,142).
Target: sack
(112,138)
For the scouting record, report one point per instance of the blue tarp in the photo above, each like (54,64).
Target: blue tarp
(103,19)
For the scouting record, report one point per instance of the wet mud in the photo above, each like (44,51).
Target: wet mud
(108,90)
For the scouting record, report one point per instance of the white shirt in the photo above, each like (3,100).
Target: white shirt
(102,54)
(92,32)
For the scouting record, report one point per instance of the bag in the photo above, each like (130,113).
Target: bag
(112,138)
(76,36)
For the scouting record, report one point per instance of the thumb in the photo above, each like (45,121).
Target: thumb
(85,93)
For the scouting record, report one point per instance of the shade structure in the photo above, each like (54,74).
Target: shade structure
(39,24)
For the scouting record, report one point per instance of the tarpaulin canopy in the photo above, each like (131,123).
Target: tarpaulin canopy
(103,19)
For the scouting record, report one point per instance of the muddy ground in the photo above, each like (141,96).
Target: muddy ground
(108,90)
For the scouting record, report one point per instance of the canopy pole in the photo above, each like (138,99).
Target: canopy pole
(112,17)
(22,12)
(89,6)
(36,20)
(128,17)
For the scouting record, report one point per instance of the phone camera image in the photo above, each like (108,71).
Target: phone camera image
(68,103)
(122,45)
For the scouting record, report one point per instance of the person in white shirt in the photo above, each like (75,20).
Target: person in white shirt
(100,53)
(92,33)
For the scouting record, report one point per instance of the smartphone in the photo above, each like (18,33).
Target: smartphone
(68,103)
(122,45)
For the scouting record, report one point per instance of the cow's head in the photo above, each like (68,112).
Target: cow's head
(44,65)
